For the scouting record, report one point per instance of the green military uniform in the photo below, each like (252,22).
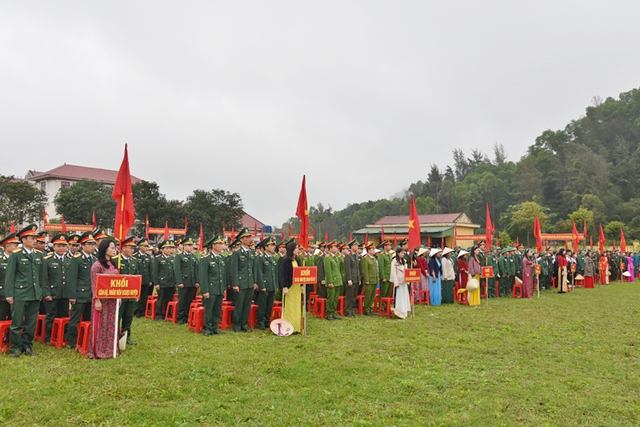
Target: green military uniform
(164,279)
(241,272)
(505,281)
(5,307)
(128,305)
(186,272)
(57,270)
(309,261)
(267,279)
(144,269)
(352,279)
(370,280)
(492,261)
(79,289)
(23,279)
(384,272)
(517,263)
(332,277)
(213,283)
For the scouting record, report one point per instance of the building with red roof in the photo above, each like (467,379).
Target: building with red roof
(65,176)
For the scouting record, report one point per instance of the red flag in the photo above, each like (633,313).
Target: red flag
(574,235)
(429,241)
(255,229)
(395,241)
(64,226)
(350,236)
(488,228)
(146,227)
(366,238)
(566,245)
(517,241)
(584,229)
(623,241)
(302,212)
(614,246)
(166,230)
(186,225)
(326,236)
(13,227)
(201,242)
(537,234)
(93,220)
(262,234)
(414,226)
(591,241)
(44,217)
(282,236)
(602,240)
(123,195)
(382,237)
(455,234)
(233,233)
(313,233)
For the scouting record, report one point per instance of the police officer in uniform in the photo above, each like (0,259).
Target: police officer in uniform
(267,279)
(79,286)
(55,291)
(10,244)
(241,271)
(128,265)
(164,277)
(213,281)
(23,291)
(185,266)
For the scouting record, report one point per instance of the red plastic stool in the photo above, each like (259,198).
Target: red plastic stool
(320,308)
(360,299)
(150,310)
(425,297)
(82,343)
(57,331)
(312,301)
(385,309)
(253,316)
(277,303)
(5,335)
(553,282)
(226,319)
(175,297)
(194,304)
(376,303)
(40,328)
(172,312)
(197,320)
(517,290)
(276,313)
(340,308)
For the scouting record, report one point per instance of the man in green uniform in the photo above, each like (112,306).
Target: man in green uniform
(128,265)
(164,277)
(213,283)
(369,278)
(144,269)
(267,279)
(41,241)
(504,280)
(384,269)
(492,260)
(79,286)
(343,251)
(333,279)
(9,244)
(186,271)
(310,261)
(322,288)
(74,246)
(99,235)
(580,262)
(353,276)
(55,291)
(23,279)
(243,281)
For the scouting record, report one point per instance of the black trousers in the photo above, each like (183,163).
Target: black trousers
(185,298)
(58,307)
(5,309)
(265,306)
(78,310)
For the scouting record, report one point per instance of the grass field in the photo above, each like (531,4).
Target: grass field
(560,360)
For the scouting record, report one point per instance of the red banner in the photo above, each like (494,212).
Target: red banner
(538,269)
(411,275)
(118,286)
(305,275)
(487,272)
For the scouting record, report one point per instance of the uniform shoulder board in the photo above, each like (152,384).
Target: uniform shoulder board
(77,255)
(205,256)
(38,251)
(16,250)
(158,256)
(48,256)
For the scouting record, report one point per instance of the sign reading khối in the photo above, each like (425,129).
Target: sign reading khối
(118,286)
(305,275)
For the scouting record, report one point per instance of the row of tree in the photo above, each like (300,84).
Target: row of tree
(585,172)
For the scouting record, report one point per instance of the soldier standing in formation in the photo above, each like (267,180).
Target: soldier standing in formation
(243,281)
(369,278)
(55,291)
(128,264)
(186,272)
(9,244)
(267,279)
(79,281)
(164,278)
(333,279)
(144,269)
(353,277)
(213,278)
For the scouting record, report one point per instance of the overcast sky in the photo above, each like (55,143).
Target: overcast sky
(361,96)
